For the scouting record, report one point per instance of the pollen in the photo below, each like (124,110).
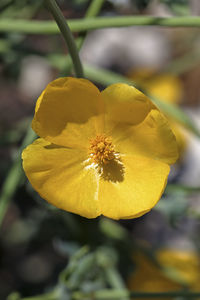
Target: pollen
(101,149)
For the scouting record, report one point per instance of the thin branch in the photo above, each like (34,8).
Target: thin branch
(80,25)
(67,35)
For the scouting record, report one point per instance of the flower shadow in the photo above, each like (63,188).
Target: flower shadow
(112,171)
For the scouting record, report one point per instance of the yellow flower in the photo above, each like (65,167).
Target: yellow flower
(99,153)
(165,87)
(176,269)
(185,263)
(148,277)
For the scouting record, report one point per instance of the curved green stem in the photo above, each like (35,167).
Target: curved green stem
(92,11)
(81,25)
(67,35)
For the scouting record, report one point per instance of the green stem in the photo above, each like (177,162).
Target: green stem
(81,25)
(14,177)
(92,11)
(94,8)
(67,35)
(118,294)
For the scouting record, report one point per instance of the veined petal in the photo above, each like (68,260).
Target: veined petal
(135,191)
(69,112)
(58,174)
(124,105)
(151,138)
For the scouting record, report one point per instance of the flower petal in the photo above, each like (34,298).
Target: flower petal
(68,112)
(125,105)
(133,194)
(152,138)
(59,176)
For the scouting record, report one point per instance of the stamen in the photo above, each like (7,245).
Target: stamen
(105,160)
(101,149)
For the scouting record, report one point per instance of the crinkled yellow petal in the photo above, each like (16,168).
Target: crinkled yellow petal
(152,138)
(124,105)
(59,175)
(69,112)
(132,189)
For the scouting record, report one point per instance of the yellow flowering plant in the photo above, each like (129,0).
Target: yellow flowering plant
(174,271)
(99,153)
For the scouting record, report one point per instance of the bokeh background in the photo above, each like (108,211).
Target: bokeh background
(44,249)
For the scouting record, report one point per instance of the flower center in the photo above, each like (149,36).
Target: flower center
(101,149)
(104,158)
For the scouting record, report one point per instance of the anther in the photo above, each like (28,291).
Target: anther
(101,149)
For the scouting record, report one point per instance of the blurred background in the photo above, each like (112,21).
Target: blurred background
(43,249)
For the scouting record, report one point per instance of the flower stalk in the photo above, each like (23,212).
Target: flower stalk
(67,35)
